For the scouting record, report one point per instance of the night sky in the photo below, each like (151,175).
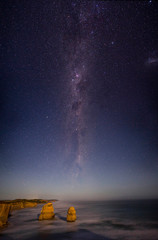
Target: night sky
(79,99)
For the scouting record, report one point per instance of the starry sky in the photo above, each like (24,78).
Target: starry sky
(79,99)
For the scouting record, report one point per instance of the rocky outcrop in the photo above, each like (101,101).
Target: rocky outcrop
(20,205)
(17,205)
(29,204)
(4,212)
(71,214)
(47,212)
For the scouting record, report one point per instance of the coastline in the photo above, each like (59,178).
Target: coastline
(128,220)
(8,206)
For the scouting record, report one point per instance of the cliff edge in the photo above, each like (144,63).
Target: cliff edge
(4,212)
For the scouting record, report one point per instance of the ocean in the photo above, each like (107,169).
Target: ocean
(103,220)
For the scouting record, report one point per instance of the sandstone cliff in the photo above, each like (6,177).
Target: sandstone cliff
(29,204)
(22,204)
(4,212)
(17,205)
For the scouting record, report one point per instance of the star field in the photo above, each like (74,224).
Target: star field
(79,99)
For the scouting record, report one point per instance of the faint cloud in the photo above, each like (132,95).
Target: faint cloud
(152,59)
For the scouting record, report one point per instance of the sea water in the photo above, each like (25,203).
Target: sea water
(119,220)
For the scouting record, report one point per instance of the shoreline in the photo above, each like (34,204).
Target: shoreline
(106,221)
(8,206)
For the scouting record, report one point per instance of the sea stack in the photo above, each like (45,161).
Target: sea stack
(71,214)
(47,212)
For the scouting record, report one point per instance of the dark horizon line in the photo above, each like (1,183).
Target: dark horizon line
(82,200)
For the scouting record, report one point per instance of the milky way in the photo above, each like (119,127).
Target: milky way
(79,57)
(79,99)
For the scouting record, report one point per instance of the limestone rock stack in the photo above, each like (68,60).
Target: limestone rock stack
(71,214)
(4,212)
(47,212)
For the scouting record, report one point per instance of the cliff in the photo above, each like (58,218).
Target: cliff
(7,206)
(22,204)
(29,204)
(4,212)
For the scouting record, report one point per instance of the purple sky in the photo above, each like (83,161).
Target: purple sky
(79,99)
